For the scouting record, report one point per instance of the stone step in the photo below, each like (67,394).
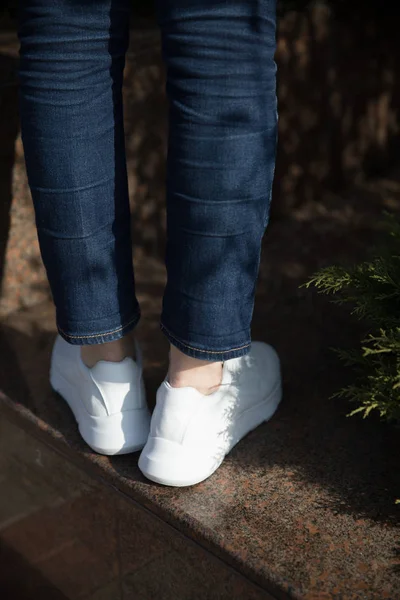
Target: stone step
(65,532)
(303,508)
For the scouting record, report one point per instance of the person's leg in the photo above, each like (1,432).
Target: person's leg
(222,143)
(184,371)
(71,73)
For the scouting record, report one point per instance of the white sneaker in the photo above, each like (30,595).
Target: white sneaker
(191,433)
(108,400)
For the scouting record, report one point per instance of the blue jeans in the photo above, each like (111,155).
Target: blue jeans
(222,141)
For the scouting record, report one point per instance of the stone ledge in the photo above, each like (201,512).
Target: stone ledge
(303,508)
(66,533)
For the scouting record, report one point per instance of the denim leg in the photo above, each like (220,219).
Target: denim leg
(71,74)
(222,143)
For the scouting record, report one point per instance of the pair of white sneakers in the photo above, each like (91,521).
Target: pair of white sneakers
(189,433)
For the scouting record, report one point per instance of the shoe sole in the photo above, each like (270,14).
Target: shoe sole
(246,423)
(105,435)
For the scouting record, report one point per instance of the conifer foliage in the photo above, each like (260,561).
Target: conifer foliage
(372,291)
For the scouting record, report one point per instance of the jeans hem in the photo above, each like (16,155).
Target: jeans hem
(100,338)
(210,355)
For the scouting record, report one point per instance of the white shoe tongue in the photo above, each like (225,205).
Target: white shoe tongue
(115,372)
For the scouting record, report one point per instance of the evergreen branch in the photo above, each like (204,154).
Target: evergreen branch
(372,289)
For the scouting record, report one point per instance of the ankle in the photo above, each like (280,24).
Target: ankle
(185,371)
(114,351)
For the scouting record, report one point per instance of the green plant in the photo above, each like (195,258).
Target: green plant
(372,289)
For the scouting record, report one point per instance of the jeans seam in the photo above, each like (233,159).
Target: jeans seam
(199,349)
(97,335)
